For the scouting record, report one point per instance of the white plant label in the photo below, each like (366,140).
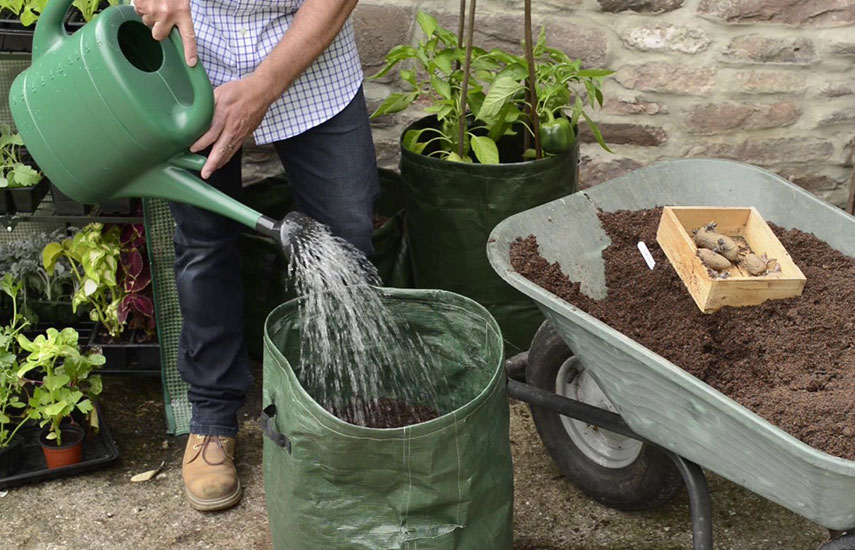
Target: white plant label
(645,253)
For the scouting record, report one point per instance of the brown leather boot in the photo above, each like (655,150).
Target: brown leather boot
(210,476)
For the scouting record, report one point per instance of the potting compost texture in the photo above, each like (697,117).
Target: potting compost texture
(789,360)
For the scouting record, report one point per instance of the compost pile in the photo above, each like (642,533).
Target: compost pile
(386,413)
(790,361)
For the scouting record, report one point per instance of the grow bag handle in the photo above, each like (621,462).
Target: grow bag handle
(266,420)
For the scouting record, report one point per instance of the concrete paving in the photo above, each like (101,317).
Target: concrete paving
(105,510)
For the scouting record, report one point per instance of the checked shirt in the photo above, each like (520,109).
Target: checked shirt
(234,36)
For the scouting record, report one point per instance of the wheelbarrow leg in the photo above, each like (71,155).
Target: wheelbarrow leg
(699,501)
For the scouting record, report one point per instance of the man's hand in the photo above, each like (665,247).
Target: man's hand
(239,107)
(162,15)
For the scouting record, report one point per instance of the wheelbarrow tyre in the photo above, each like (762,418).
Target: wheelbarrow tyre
(845,541)
(648,482)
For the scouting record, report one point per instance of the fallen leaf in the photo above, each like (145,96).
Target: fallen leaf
(145,476)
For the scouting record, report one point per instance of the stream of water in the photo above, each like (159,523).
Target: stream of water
(354,351)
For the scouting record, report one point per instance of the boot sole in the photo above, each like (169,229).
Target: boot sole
(211,505)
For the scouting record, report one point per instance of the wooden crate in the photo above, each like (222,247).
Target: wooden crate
(675,237)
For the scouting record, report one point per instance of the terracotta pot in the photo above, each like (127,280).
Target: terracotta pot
(71,451)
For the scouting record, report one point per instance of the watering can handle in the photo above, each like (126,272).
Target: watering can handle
(50,31)
(201,110)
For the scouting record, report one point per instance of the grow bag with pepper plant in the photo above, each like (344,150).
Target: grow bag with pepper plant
(451,209)
(477,161)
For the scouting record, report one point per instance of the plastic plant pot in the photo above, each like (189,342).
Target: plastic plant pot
(10,457)
(117,207)
(63,205)
(6,206)
(27,199)
(71,450)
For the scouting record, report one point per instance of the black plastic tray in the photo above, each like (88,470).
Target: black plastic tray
(15,38)
(64,205)
(6,205)
(27,199)
(98,451)
(126,358)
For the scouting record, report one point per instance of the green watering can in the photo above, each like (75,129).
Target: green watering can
(110,112)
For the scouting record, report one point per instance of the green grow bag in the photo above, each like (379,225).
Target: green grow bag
(442,484)
(452,208)
(264,269)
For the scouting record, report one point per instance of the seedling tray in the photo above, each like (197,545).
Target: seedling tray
(27,199)
(129,356)
(98,451)
(117,207)
(63,205)
(15,38)
(6,206)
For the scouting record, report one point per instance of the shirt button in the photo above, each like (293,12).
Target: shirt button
(242,31)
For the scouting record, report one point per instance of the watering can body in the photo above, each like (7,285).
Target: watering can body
(109,112)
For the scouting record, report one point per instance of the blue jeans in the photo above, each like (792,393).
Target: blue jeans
(333,175)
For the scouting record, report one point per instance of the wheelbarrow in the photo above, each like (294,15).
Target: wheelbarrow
(623,423)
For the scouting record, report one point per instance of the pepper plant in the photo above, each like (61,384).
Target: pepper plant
(68,383)
(14,172)
(93,255)
(499,98)
(439,78)
(11,386)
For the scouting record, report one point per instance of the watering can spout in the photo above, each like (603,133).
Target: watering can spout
(288,230)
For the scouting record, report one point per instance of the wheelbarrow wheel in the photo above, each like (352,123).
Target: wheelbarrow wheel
(615,470)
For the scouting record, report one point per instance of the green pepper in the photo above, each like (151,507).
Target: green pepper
(556,135)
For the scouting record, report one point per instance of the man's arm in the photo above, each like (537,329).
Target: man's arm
(315,26)
(241,105)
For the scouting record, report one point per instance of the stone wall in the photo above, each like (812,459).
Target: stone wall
(768,82)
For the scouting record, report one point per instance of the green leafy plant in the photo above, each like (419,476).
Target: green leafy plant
(22,258)
(497,95)
(137,307)
(28,11)
(11,386)
(438,77)
(93,255)
(68,383)
(14,172)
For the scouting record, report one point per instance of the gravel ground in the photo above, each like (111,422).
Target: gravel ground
(104,510)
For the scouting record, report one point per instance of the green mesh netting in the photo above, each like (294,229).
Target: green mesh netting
(160,228)
(15,229)
(10,66)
